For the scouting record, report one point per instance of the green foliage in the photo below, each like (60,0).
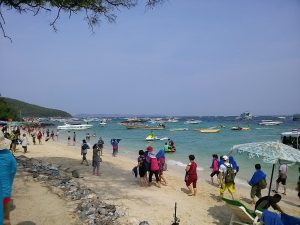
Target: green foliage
(7,112)
(94,10)
(12,108)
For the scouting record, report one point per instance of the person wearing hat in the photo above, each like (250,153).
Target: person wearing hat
(154,167)
(8,167)
(226,177)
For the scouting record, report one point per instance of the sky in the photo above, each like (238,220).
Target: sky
(196,57)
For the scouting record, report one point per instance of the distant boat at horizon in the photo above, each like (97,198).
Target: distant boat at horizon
(74,127)
(192,121)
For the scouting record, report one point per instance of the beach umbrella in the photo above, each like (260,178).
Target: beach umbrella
(269,152)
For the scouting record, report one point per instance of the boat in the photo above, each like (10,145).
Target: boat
(158,127)
(296,117)
(151,137)
(246,116)
(208,130)
(192,121)
(240,128)
(270,123)
(74,127)
(179,129)
(164,138)
(102,124)
(133,125)
(170,150)
(172,120)
(291,138)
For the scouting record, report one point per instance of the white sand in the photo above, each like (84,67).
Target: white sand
(118,186)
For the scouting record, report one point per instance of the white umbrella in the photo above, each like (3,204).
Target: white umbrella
(269,152)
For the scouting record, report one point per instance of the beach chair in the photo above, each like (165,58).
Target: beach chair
(240,213)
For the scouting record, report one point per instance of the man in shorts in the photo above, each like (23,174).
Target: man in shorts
(8,167)
(282,176)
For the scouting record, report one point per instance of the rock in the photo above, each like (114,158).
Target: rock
(90,196)
(35,174)
(75,173)
(42,177)
(102,211)
(144,223)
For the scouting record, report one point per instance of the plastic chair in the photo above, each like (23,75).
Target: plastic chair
(240,213)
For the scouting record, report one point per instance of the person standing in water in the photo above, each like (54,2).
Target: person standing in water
(115,146)
(74,138)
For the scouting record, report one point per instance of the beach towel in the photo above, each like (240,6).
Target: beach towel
(289,220)
(271,218)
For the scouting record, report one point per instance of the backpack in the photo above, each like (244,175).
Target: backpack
(230,175)
(262,183)
(154,165)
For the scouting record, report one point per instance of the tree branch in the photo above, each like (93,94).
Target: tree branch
(57,16)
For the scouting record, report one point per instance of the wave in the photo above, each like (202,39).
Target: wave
(180,164)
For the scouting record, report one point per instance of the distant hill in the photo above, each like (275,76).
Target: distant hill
(12,108)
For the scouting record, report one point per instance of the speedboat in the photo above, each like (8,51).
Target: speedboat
(74,127)
(240,128)
(179,129)
(172,120)
(103,122)
(208,130)
(270,123)
(192,121)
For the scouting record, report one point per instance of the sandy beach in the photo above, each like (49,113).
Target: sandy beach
(118,186)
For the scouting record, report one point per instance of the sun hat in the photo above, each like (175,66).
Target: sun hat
(225,157)
(149,149)
(4,142)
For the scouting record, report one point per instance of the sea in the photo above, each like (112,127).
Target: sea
(202,145)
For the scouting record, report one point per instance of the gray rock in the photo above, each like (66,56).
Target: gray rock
(144,223)
(75,173)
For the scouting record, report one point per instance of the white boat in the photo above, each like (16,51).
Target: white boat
(172,120)
(103,122)
(192,121)
(74,127)
(270,123)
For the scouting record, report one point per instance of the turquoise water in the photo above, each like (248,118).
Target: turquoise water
(202,145)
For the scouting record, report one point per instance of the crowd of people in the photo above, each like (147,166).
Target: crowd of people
(149,163)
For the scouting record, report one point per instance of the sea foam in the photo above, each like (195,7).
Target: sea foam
(180,164)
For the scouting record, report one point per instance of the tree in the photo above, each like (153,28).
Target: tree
(94,9)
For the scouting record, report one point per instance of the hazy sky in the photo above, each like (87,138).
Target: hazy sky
(196,57)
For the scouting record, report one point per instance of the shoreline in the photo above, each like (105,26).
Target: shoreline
(117,186)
